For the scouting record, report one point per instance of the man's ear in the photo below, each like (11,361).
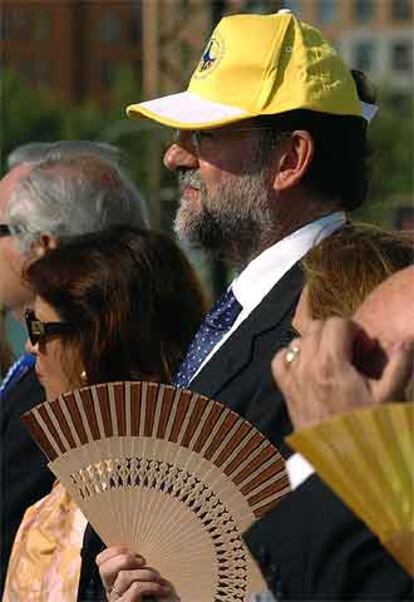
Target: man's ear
(296,154)
(43,244)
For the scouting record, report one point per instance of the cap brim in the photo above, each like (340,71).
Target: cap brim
(187,111)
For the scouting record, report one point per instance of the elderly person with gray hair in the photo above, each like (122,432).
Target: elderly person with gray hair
(52,192)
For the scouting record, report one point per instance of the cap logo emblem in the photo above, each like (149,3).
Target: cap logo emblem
(211,56)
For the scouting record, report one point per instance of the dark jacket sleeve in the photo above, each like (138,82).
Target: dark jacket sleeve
(25,477)
(91,588)
(311,547)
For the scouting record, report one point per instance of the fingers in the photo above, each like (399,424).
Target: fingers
(337,341)
(114,560)
(113,551)
(126,578)
(136,583)
(308,345)
(320,379)
(396,375)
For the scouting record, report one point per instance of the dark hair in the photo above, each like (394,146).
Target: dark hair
(339,168)
(132,296)
(345,267)
(367,91)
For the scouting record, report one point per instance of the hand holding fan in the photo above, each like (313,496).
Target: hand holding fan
(174,475)
(367,457)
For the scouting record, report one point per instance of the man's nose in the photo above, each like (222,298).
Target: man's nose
(181,154)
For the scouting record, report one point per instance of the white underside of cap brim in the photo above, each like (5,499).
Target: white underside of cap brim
(186,110)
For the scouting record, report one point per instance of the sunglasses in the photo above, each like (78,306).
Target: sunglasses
(38,330)
(4,230)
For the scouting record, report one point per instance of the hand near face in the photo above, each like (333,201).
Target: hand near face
(323,380)
(127,578)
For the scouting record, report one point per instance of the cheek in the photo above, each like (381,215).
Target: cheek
(210,174)
(11,255)
(230,157)
(58,366)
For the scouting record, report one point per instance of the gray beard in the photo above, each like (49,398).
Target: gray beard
(235,222)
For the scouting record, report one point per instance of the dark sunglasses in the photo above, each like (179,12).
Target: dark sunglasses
(4,230)
(38,330)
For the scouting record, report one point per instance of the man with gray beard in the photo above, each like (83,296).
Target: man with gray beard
(270,153)
(268,165)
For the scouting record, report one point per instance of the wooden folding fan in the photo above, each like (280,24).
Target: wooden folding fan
(176,476)
(367,457)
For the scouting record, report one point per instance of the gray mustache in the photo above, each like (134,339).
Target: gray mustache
(190,178)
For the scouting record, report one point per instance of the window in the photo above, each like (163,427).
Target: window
(364,55)
(42,25)
(402,10)
(134,24)
(294,5)
(107,73)
(110,28)
(327,11)
(402,56)
(258,6)
(16,24)
(364,10)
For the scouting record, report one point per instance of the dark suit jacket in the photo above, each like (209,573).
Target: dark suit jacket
(25,477)
(239,373)
(311,547)
(301,533)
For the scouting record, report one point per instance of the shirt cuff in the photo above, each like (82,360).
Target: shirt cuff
(298,469)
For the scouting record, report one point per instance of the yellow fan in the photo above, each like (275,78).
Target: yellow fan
(367,457)
(175,475)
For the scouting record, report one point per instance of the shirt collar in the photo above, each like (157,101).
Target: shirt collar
(263,272)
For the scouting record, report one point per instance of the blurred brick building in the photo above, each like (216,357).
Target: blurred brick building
(75,46)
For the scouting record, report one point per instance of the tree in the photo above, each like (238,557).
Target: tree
(391,136)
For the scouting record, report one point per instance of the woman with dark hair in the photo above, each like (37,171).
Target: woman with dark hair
(117,305)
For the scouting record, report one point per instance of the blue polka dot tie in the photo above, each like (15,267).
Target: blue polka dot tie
(215,324)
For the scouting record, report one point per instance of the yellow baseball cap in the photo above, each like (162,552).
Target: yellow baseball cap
(258,65)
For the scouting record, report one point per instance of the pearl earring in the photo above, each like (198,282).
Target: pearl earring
(84,377)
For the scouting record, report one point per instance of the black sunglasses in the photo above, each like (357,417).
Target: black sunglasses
(4,230)
(38,330)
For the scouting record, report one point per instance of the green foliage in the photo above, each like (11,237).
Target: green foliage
(29,115)
(26,115)
(392,139)
(392,142)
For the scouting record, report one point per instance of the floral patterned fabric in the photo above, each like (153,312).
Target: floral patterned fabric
(45,561)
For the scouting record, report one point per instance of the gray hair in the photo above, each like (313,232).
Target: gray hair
(38,152)
(74,187)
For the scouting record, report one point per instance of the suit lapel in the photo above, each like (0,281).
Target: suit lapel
(235,354)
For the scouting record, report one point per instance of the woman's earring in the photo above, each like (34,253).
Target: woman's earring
(84,377)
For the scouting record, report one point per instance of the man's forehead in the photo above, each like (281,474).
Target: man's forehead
(9,182)
(388,312)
